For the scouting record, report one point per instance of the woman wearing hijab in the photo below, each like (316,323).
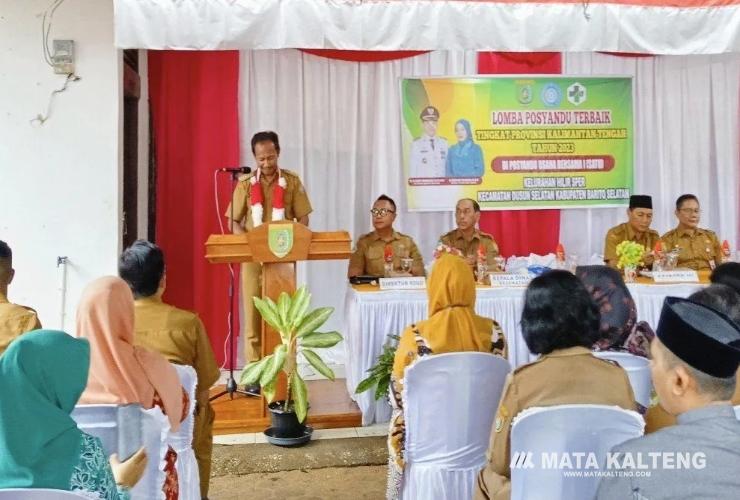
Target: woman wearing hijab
(121,373)
(619,329)
(452,326)
(42,375)
(464,159)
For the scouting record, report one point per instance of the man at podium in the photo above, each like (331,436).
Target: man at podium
(268,194)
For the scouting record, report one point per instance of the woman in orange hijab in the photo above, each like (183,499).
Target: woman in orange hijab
(452,326)
(121,373)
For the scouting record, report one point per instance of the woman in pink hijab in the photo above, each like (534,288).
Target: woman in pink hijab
(120,372)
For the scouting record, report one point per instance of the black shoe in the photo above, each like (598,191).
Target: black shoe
(252,389)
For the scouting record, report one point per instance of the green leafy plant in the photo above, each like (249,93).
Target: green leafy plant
(298,334)
(630,254)
(380,373)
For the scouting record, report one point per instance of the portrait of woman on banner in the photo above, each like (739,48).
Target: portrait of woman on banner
(465,158)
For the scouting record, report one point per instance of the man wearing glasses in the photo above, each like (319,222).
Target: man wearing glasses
(372,250)
(699,248)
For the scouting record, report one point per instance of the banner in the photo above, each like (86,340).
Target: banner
(517,142)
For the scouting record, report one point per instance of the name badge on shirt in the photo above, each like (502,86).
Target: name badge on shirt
(676,276)
(403,283)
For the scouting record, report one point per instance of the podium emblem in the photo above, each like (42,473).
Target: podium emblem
(280,239)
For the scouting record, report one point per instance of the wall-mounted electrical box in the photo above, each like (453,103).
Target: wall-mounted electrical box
(64,57)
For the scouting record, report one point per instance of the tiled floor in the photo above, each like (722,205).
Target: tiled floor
(349,432)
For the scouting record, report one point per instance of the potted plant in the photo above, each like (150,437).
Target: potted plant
(630,255)
(380,374)
(298,334)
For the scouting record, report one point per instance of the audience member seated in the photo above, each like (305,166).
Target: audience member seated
(728,274)
(372,249)
(619,329)
(177,334)
(721,298)
(42,375)
(694,359)
(121,373)
(560,322)
(452,326)
(14,319)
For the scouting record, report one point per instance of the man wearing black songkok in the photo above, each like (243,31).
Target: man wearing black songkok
(694,359)
(637,229)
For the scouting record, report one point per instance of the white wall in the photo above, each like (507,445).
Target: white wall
(60,186)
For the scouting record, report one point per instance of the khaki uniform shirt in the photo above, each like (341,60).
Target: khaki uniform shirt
(698,247)
(625,232)
(295,199)
(15,320)
(179,336)
(455,239)
(565,376)
(368,256)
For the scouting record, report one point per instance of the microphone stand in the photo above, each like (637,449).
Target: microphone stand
(231,386)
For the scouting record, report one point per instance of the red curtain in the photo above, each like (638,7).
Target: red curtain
(519,232)
(194,107)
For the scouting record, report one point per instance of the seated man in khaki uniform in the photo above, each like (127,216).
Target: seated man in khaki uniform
(637,229)
(467,238)
(368,256)
(177,334)
(14,319)
(253,206)
(699,248)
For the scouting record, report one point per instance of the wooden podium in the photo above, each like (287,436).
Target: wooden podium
(278,246)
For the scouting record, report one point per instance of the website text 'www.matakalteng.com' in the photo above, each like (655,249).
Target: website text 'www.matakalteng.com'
(615,464)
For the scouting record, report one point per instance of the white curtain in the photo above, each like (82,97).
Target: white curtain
(340,129)
(339,124)
(686,141)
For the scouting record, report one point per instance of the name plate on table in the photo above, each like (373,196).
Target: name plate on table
(676,276)
(403,283)
(510,279)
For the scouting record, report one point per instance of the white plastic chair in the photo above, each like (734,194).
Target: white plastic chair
(40,494)
(541,434)
(117,426)
(123,429)
(182,440)
(638,372)
(737,412)
(449,403)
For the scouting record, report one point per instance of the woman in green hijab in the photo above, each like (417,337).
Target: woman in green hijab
(42,375)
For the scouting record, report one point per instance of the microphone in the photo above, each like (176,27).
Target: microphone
(235,170)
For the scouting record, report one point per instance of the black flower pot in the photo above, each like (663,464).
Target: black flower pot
(286,430)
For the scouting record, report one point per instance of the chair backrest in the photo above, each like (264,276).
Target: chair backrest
(737,412)
(39,494)
(449,403)
(183,438)
(546,443)
(117,426)
(638,372)
(155,431)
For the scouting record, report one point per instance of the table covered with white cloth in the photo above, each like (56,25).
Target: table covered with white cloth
(371,315)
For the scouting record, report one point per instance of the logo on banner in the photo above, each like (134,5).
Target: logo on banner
(576,94)
(280,239)
(524,93)
(551,95)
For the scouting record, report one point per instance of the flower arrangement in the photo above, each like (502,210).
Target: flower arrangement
(443,249)
(630,254)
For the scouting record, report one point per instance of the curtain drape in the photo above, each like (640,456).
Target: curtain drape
(519,232)
(194,109)
(686,141)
